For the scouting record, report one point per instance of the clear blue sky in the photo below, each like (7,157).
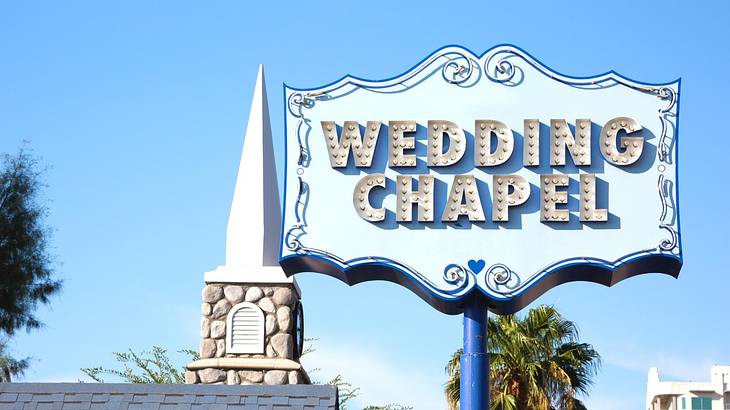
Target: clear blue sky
(139,109)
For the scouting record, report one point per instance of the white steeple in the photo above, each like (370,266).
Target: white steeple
(254,224)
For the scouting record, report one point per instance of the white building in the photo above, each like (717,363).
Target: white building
(670,395)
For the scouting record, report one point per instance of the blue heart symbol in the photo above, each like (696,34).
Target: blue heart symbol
(476,266)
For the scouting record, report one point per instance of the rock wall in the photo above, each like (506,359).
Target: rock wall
(233,377)
(277,303)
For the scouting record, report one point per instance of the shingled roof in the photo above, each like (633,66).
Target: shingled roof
(122,396)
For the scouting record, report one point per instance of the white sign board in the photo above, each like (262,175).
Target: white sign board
(487,176)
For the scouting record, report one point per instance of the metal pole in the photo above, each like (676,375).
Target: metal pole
(474,388)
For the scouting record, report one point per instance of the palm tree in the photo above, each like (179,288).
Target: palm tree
(536,363)
(10,367)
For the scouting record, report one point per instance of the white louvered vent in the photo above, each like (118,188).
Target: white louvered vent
(245,329)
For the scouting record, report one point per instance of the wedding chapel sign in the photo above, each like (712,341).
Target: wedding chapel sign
(488,178)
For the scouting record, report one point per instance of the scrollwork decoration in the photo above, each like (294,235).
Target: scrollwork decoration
(498,278)
(458,69)
(665,143)
(498,67)
(293,234)
(669,244)
(666,221)
(455,274)
(501,279)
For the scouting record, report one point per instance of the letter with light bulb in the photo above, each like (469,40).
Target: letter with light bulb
(620,140)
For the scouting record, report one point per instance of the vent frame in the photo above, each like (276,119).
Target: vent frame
(247,320)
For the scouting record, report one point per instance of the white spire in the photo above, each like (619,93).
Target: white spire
(255,220)
(254,224)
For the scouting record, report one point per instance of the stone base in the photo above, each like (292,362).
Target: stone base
(239,377)
(235,371)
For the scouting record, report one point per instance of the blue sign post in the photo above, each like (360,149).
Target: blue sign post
(474,366)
